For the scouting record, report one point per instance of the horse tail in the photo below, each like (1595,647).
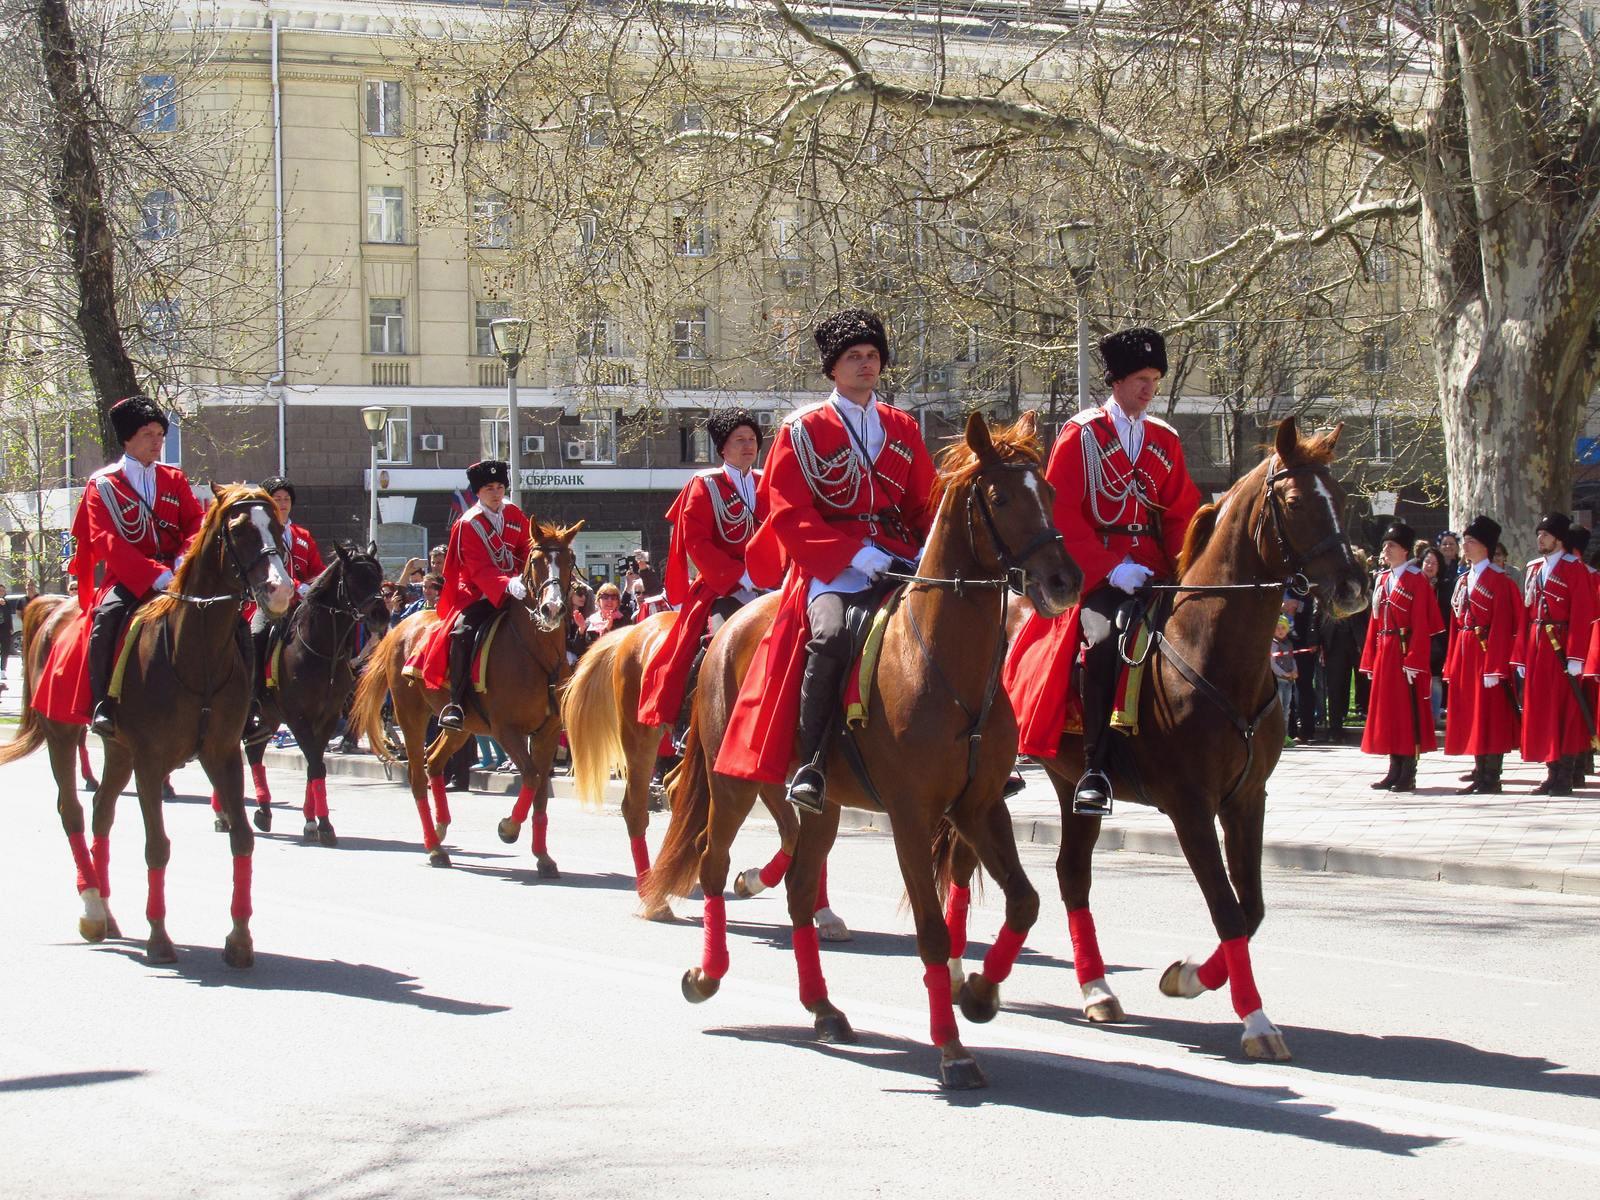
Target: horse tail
(30,732)
(677,867)
(947,848)
(366,708)
(591,717)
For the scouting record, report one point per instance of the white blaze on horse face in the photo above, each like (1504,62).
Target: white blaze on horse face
(1031,480)
(1333,512)
(279,588)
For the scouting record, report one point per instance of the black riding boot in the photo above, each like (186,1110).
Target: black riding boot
(1475,780)
(1387,782)
(819,713)
(1405,779)
(680,729)
(250,653)
(462,638)
(1092,797)
(1489,785)
(104,630)
(1565,768)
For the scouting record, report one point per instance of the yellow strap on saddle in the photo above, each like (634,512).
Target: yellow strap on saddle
(275,665)
(480,664)
(129,640)
(1125,715)
(855,713)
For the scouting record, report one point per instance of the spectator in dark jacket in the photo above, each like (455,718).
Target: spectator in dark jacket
(1306,639)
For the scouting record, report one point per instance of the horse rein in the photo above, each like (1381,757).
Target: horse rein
(345,607)
(231,551)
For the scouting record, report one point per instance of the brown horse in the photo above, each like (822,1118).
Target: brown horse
(527,662)
(599,711)
(1210,728)
(936,703)
(185,693)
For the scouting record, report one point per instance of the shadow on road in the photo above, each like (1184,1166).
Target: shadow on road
(66,1079)
(1064,1086)
(203,965)
(876,944)
(527,874)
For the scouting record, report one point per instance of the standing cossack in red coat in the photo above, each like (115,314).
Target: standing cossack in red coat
(1124,501)
(1405,615)
(483,565)
(133,524)
(1484,719)
(1560,602)
(1577,542)
(712,520)
(846,492)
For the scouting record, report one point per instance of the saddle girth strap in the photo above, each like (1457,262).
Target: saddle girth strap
(1245,728)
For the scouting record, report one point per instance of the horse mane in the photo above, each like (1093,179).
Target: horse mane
(959,464)
(194,562)
(1198,537)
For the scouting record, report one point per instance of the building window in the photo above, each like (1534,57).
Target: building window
(689,330)
(600,338)
(690,236)
(494,433)
(691,118)
(491,222)
(386,214)
(158,103)
(786,233)
(395,449)
(158,215)
(172,444)
(386,326)
(967,349)
(489,119)
(1379,265)
(594,121)
(600,436)
(1382,448)
(1375,352)
(694,443)
(485,313)
(383,108)
(161,320)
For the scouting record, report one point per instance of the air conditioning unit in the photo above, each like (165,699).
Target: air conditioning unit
(794,276)
(936,378)
(430,441)
(768,418)
(575,449)
(533,443)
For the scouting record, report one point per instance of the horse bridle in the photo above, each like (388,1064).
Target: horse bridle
(345,607)
(552,585)
(268,550)
(1296,561)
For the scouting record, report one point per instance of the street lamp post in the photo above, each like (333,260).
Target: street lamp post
(510,340)
(1076,240)
(374,418)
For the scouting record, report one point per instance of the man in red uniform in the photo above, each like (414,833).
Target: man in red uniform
(1486,615)
(847,490)
(1124,500)
(482,566)
(712,519)
(136,518)
(1405,615)
(1555,641)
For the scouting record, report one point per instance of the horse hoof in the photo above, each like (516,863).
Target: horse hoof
(90,783)
(1105,1012)
(697,987)
(160,950)
(1181,981)
(508,830)
(309,833)
(221,825)
(263,818)
(238,954)
(834,1029)
(830,927)
(325,833)
(90,930)
(438,858)
(661,914)
(440,830)
(748,883)
(961,1074)
(1269,1046)
(547,869)
(979,999)
(113,930)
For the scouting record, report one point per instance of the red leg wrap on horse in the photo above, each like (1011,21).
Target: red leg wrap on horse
(1213,973)
(428,839)
(519,811)
(258,776)
(641,858)
(310,805)
(714,955)
(216,803)
(541,831)
(955,918)
(155,904)
(1085,945)
(101,853)
(441,806)
(84,768)
(822,888)
(941,1013)
(241,888)
(322,798)
(87,878)
(808,961)
(776,869)
(1241,979)
(1002,955)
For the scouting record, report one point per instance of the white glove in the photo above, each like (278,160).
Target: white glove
(515,587)
(1522,672)
(746,582)
(1411,674)
(303,589)
(161,581)
(178,562)
(1129,576)
(1490,681)
(1574,666)
(871,561)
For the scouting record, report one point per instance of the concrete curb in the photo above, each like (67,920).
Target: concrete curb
(1299,856)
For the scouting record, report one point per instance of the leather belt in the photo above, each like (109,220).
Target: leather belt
(1132,530)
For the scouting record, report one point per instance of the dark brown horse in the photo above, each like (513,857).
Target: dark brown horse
(527,662)
(314,681)
(936,704)
(185,693)
(1210,728)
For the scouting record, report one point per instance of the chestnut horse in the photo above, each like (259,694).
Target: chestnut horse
(185,693)
(526,663)
(1210,727)
(939,741)
(599,711)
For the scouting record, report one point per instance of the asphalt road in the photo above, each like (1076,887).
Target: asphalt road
(477,1032)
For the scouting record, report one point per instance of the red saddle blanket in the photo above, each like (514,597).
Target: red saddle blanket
(430,661)
(63,693)
(1042,678)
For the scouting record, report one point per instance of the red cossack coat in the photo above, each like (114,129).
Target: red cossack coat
(1485,623)
(711,524)
(134,543)
(1102,520)
(1405,614)
(478,564)
(1560,613)
(821,506)
(304,559)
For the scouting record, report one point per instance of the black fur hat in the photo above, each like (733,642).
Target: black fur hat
(133,414)
(1131,350)
(1577,539)
(1483,529)
(490,470)
(721,424)
(1557,524)
(277,483)
(1401,535)
(846,328)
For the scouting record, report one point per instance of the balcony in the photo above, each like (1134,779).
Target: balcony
(582,371)
(695,378)
(492,374)
(391,373)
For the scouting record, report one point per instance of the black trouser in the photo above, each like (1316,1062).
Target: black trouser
(827,659)
(260,637)
(1305,697)
(105,628)
(1337,672)
(463,638)
(1098,617)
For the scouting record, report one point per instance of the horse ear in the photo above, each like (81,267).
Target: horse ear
(1028,424)
(216,490)
(978,438)
(1288,440)
(1332,435)
(372,549)
(344,555)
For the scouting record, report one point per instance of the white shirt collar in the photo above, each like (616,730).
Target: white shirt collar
(142,477)
(1550,561)
(497,520)
(1129,429)
(863,423)
(744,482)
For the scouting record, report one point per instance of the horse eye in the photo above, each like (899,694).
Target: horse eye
(997,498)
